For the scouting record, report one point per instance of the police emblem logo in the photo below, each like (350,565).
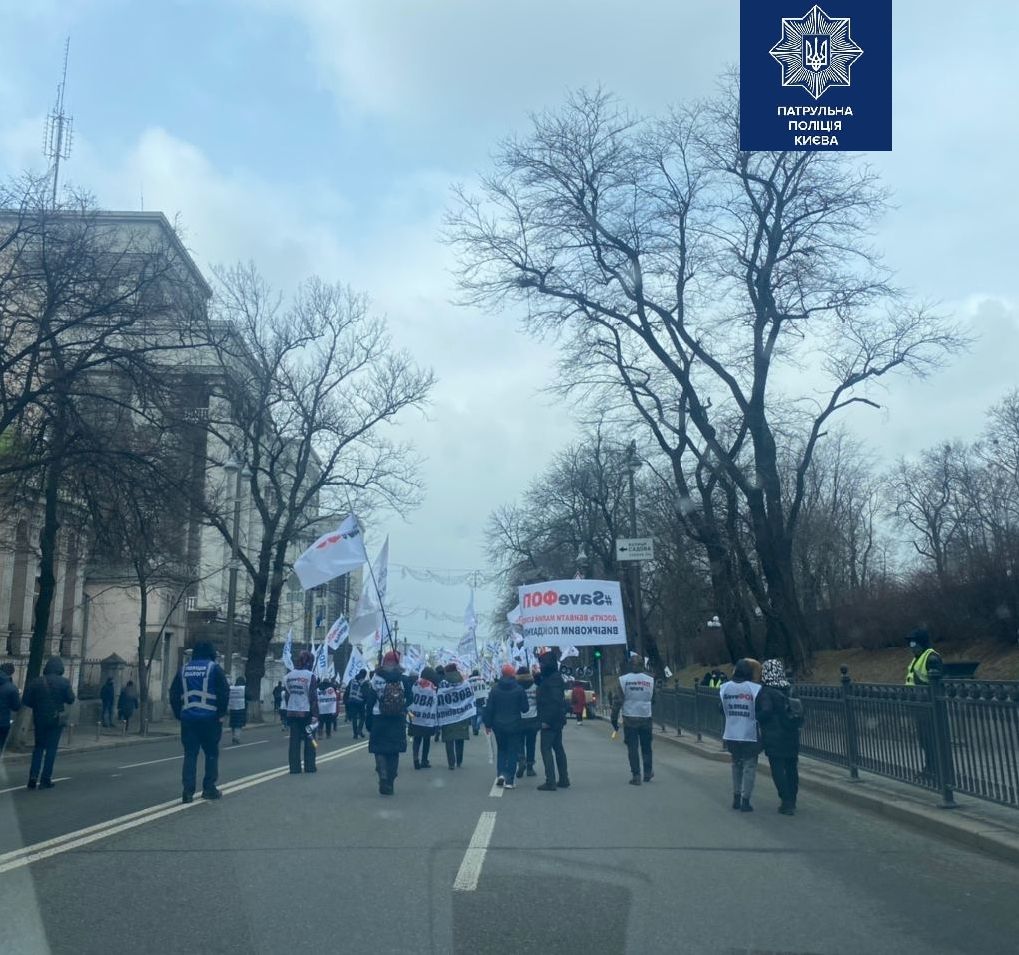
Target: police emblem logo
(816,52)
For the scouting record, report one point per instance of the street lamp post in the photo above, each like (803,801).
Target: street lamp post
(632,466)
(242,473)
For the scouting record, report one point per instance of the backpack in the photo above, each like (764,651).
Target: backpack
(794,710)
(392,701)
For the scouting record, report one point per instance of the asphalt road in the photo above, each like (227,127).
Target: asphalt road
(446,866)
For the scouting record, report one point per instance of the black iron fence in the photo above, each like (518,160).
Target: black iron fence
(951,736)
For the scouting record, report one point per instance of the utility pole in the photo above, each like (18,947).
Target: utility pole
(230,467)
(632,465)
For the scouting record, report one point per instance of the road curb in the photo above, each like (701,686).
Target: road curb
(949,824)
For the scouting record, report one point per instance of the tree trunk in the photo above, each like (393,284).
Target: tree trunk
(47,574)
(143,669)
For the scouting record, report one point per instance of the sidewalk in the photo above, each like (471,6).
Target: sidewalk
(975,823)
(82,739)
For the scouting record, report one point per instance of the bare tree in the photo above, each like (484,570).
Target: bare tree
(691,276)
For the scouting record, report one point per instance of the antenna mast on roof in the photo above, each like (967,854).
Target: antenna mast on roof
(58,129)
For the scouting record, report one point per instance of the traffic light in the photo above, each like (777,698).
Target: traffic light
(597,654)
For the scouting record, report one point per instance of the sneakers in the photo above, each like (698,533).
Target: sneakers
(530,771)
(47,784)
(520,771)
(787,809)
(648,777)
(187,797)
(499,780)
(547,787)
(745,806)
(635,780)
(213,793)
(736,801)
(426,765)
(32,784)
(509,784)
(563,784)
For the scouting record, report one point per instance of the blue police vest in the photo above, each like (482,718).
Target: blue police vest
(199,700)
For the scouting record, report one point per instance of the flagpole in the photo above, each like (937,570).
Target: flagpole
(375,584)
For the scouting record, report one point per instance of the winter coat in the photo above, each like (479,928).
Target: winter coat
(127,703)
(551,699)
(461,730)
(578,699)
(526,681)
(10,699)
(217,684)
(46,695)
(779,736)
(387,734)
(106,694)
(507,702)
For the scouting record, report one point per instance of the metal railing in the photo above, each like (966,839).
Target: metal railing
(947,737)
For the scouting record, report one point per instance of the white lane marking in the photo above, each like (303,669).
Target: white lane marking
(18,858)
(496,792)
(167,759)
(474,858)
(59,779)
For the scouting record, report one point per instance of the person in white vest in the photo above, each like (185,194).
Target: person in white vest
(238,710)
(741,735)
(302,709)
(328,699)
(636,693)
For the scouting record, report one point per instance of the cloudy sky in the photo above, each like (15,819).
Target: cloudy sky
(321,136)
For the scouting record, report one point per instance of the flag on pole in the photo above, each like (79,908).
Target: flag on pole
(569,652)
(288,650)
(355,664)
(368,615)
(332,555)
(668,674)
(321,668)
(338,632)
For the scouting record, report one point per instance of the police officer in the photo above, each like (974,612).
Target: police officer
(199,696)
(637,690)
(926,660)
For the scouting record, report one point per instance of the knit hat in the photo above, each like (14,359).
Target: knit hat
(391,659)
(773,673)
(509,670)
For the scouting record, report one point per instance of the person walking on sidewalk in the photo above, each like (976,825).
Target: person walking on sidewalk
(507,702)
(199,697)
(739,698)
(302,711)
(277,697)
(127,703)
(637,690)
(780,716)
(529,724)
(10,702)
(46,697)
(424,716)
(106,698)
(454,735)
(387,698)
(550,700)
(238,709)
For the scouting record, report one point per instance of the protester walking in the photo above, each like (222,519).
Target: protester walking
(277,697)
(738,698)
(637,690)
(578,701)
(46,697)
(507,702)
(387,698)
(424,716)
(283,712)
(454,735)
(10,702)
(302,710)
(238,709)
(529,724)
(550,700)
(106,697)
(199,697)
(327,703)
(353,699)
(480,687)
(127,703)
(780,716)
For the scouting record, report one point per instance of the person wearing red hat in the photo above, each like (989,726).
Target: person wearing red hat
(388,695)
(507,702)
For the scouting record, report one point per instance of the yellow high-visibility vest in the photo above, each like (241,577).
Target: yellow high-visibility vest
(917,671)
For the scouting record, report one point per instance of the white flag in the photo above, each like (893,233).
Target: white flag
(288,650)
(668,674)
(338,632)
(368,615)
(355,665)
(466,649)
(470,617)
(332,555)
(569,652)
(321,667)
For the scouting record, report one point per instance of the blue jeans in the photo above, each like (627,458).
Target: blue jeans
(47,739)
(507,749)
(198,735)
(107,718)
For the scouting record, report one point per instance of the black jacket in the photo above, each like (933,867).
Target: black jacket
(387,734)
(507,702)
(551,699)
(779,736)
(46,695)
(107,694)
(220,687)
(10,699)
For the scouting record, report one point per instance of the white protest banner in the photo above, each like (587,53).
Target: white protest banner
(288,650)
(423,709)
(466,649)
(338,632)
(586,613)
(332,555)
(455,703)
(355,665)
(368,615)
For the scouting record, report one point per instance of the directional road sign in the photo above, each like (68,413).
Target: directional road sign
(635,548)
